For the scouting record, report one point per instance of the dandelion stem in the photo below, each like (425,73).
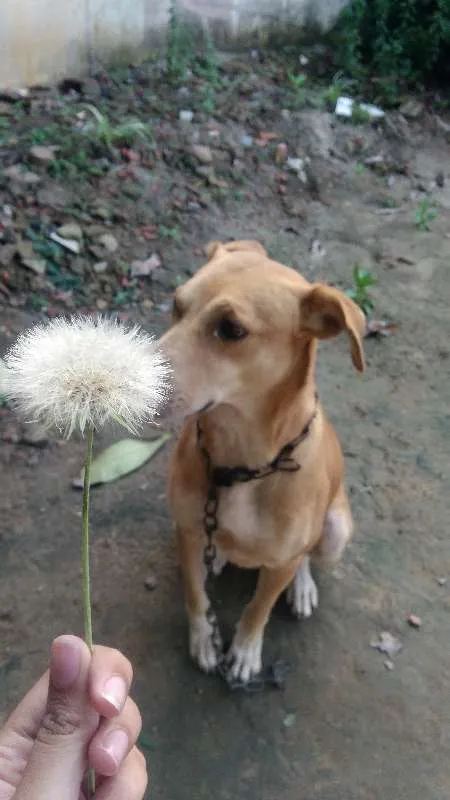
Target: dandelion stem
(87,610)
(87,613)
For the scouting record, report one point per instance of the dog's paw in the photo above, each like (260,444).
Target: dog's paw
(201,646)
(302,594)
(244,657)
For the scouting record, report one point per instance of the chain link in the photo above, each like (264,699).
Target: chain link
(275,677)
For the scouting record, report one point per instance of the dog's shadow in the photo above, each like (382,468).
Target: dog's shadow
(230,592)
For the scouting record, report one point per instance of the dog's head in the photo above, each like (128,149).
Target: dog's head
(245,325)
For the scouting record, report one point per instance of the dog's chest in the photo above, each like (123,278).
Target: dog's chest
(241,514)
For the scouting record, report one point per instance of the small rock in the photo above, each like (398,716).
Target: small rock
(6,110)
(101,304)
(109,242)
(150,583)
(414,621)
(41,154)
(442,581)
(202,153)
(34,436)
(36,265)
(143,268)
(24,250)
(79,266)
(54,196)
(185,115)
(91,89)
(70,231)
(100,266)
(295,207)
(246,141)
(101,212)
(389,664)
(11,435)
(23,176)
(317,252)
(440,179)
(412,109)
(147,303)
(69,244)
(7,253)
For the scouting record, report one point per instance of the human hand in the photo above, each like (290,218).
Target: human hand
(78,715)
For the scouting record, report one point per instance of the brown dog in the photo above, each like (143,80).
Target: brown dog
(243,347)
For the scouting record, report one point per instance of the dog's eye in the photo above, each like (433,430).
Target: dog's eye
(229,330)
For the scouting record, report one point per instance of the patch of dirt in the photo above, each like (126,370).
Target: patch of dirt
(362,195)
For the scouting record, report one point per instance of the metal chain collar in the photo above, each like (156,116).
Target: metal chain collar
(275,674)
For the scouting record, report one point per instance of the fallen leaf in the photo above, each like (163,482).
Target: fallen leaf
(120,459)
(386,643)
(379,327)
(414,621)
(290,720)
(149,232)
(281,153)
(265,137)
(130,155)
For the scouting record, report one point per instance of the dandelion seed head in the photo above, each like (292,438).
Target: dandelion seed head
(86,371)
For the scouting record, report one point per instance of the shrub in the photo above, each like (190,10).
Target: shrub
(404,43)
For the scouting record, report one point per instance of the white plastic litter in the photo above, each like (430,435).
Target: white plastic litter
(344,108)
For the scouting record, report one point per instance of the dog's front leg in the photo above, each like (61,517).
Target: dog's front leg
(246,649)
(201,646)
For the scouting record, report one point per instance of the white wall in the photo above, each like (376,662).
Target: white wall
(41,40)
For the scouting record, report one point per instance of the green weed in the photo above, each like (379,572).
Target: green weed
(403,43)
(180,45)
(359,115)
(111,135)
(172,233)
(298,87)
(363,280)
(425,213)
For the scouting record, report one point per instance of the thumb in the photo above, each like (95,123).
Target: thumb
(58,759)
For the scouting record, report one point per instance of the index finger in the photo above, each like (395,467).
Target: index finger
(110,678)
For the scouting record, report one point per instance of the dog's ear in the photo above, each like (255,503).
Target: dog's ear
(213,249)
(216,249)
(326,312)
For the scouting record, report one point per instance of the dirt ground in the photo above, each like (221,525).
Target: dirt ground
(350,724)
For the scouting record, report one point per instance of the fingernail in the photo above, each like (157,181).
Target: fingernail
(115,747)
(115,692)
(65,661)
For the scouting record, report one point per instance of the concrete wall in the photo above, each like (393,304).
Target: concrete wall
(41,40)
